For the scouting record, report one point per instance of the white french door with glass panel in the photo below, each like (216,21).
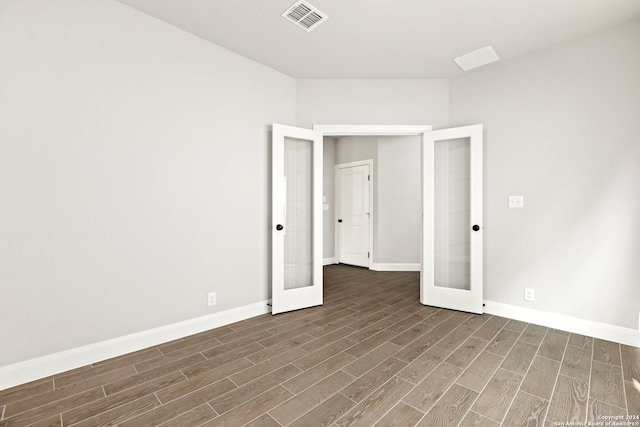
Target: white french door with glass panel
(296,227)
(451,274)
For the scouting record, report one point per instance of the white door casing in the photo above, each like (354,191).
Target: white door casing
(451,274)
(354,213)
(296,226)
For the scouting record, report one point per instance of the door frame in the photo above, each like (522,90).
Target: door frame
(381,130)
(372,130)
(368,162)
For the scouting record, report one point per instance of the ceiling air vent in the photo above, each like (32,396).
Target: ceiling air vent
(304,15)
(477,58)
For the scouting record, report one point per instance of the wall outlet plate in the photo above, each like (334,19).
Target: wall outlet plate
(211,299)
(516,201)
(529,294)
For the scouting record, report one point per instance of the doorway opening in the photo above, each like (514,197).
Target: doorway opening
(394,209)
(395,213)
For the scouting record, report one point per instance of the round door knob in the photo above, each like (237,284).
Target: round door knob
(279,227)
(476,227)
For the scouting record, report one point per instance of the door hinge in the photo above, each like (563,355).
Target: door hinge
(368,254)
(368,177)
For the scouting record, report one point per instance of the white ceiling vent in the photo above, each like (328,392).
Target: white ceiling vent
(477,58)
(304,15)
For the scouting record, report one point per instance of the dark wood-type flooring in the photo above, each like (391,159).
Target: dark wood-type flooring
(372,355)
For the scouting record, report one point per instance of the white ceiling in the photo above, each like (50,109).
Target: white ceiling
(387,38)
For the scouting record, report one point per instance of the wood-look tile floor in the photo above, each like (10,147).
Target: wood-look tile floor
(371,355)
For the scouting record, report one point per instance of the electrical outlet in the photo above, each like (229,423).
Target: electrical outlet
(211,298)
(529,294)
(516,201)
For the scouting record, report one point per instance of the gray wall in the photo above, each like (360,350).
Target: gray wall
(399,210)
(378,102)
(354,148)
(134,174)
(562,128)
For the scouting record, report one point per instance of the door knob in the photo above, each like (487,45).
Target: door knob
(339,220)
(476,227)
(279,227)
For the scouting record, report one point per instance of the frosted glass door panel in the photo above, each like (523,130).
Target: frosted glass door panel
(298,232)
(452,214)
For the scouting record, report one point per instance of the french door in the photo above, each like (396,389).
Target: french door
(451,274)
(296,218)
(451,252)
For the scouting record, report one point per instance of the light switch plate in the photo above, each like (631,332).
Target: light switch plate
(516,201)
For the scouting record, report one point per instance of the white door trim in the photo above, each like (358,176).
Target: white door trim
(376,130)
(336,195)
(372,130)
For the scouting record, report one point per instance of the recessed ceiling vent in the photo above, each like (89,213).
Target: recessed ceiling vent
(304,15)
(477,58)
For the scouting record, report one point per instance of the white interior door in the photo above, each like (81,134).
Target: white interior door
(451,275)
(353,214)
(296,218)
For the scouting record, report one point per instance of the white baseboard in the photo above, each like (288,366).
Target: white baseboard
(45,366)
(407,266)
(329,261)
(56,363)
(566,323)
